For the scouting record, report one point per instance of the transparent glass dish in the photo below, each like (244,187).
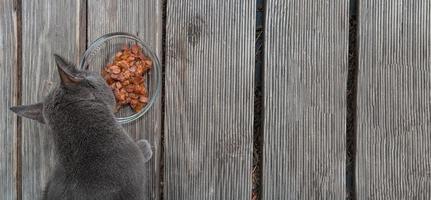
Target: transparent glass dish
(102,51)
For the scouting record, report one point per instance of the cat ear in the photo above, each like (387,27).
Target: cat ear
(67,71)
(33,111)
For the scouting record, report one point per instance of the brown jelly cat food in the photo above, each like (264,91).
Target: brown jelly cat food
(125,75)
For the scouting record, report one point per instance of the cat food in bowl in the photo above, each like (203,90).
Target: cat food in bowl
(129,68)
(125,76)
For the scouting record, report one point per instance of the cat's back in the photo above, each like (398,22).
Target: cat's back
(97,150)
(110,168)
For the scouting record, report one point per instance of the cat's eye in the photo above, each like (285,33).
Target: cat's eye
(92,85)
(91,82)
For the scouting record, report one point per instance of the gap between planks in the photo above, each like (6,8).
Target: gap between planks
(351,110)
(258,101)
(18,83)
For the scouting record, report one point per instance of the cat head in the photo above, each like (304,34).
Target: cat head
(76,85)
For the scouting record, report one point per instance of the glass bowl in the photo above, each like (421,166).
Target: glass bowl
(102,51)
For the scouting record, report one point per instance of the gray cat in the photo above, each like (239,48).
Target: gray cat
(96,157)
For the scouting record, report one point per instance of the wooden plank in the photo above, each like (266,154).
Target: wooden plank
(306,59)
(144,19)
(209,99)
(9,97)
(48,27)
(394,84)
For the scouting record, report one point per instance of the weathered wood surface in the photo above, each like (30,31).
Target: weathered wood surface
(48,27)
(209,99)
(394,111)
(144,19)
(306,57)
(8,98)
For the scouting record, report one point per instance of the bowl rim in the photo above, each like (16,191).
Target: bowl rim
(156,69)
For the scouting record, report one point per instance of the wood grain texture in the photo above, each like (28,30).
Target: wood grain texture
(144,19)
(209,99)
(306,57)
(8,98)
(394,111)
(48,27)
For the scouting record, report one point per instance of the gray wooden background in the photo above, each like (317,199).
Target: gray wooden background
(202,126)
